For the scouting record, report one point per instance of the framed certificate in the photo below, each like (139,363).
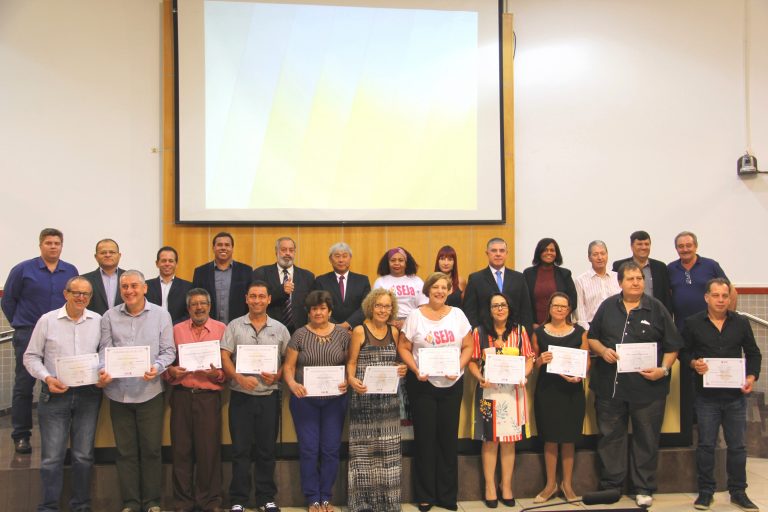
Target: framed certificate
(323,380)
(568,361)
(725,372)
(79,370)
(381,380)
(502,369)
(124,362)
(200,355)
(636,357)
(254,359)
(439,362)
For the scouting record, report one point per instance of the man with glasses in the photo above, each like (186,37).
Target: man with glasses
(105,280)
(254,404)
(33,287)
(688,278)
(196,413)
(66,410)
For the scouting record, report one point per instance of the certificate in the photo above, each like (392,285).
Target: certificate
(501,369)
(439,362)
(725,372)
(200,355)
(323,380)
(255,359)
(76,371)
(635,357)
(121,362)
(381,380)
(568,361)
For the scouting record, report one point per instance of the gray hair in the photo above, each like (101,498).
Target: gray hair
(136,273)
(595,243)
(339,247)
(687,233)
(198,291)
(77,278)
(283,239)
(495,240)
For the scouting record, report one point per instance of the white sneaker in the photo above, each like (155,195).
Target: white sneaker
(643,500)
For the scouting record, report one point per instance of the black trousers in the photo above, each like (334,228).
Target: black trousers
(435,414)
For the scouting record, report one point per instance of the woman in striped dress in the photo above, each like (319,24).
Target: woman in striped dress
(374,419)
(500,411)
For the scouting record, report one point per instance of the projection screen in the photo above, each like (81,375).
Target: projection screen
(360,112)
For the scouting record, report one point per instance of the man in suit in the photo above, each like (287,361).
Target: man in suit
(288,284)
(497,277)
(105,280)
(654,271)
(225,279)
(347,289)
(167,290)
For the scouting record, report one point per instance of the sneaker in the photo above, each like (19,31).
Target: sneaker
(237,508)
(270,507)
(743,502)
(644,500)
(704,501)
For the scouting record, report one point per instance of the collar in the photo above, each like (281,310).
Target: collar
(345,274)
(208,325)
(160,278)
(493,270)
(280,269)
(62,314)
(591,273)
(123,309)
(645,301)
(108,276)
(41,264)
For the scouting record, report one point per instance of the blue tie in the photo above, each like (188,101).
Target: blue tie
(498,280)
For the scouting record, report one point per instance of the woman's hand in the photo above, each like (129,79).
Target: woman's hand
(358,386)
(297,389)
(545,358)
(572,380)
(484,383)
(343,387)
(423,377)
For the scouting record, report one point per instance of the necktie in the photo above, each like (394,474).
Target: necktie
(288,307)
(498,280)
(341,287)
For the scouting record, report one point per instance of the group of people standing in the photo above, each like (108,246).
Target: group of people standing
(338,320)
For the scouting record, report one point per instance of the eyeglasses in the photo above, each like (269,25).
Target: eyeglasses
(499,306)
(79,294)
(559,306)
(688,279)
(198,304)
(385,307)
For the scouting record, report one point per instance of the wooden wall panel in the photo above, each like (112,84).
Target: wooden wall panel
(255,245)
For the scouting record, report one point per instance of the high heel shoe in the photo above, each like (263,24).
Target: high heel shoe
(542,497)
(507,502)
(491,503)
(571,497)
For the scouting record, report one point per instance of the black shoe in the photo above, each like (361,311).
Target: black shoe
(491,503)
(22,445)
(508,502)
(270,507)
(425,507)
(743,502)
(704,501)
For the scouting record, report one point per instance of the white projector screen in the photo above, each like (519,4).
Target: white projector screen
(376,111)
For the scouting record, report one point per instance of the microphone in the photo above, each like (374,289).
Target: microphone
(605,497)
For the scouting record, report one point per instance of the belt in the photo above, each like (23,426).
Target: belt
(195,390)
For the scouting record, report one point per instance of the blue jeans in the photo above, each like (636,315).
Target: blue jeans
(63,417)
(318,422)
(21,403)
(731,413)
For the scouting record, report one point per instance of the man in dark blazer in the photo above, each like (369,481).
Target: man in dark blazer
(229,277)
(346,310)
(176,298)
(484,283)
(654,271)
(289,285)
(106,277)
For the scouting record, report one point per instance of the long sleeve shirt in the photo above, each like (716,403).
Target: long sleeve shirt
(57,335)
(151,327)
(736,340)
(32,290)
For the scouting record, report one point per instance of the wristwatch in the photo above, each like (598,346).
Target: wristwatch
(665,370)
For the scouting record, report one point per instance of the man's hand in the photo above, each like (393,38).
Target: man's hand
(247,382)
(653,373)
(747,387)
(699,366)
(268,378)
(104,379)
(288,286)
(55,385)
(151,374)
(177,372)
(610,356)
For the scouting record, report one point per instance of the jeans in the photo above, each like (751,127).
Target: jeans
(319,423)
(731,413)
(63,417)
(21,404)
(612,419)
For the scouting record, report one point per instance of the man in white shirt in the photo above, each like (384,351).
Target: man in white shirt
(66,411)
(596,284)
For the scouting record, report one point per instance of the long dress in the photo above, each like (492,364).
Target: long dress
(374,435)
(559,404)
(500,413)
